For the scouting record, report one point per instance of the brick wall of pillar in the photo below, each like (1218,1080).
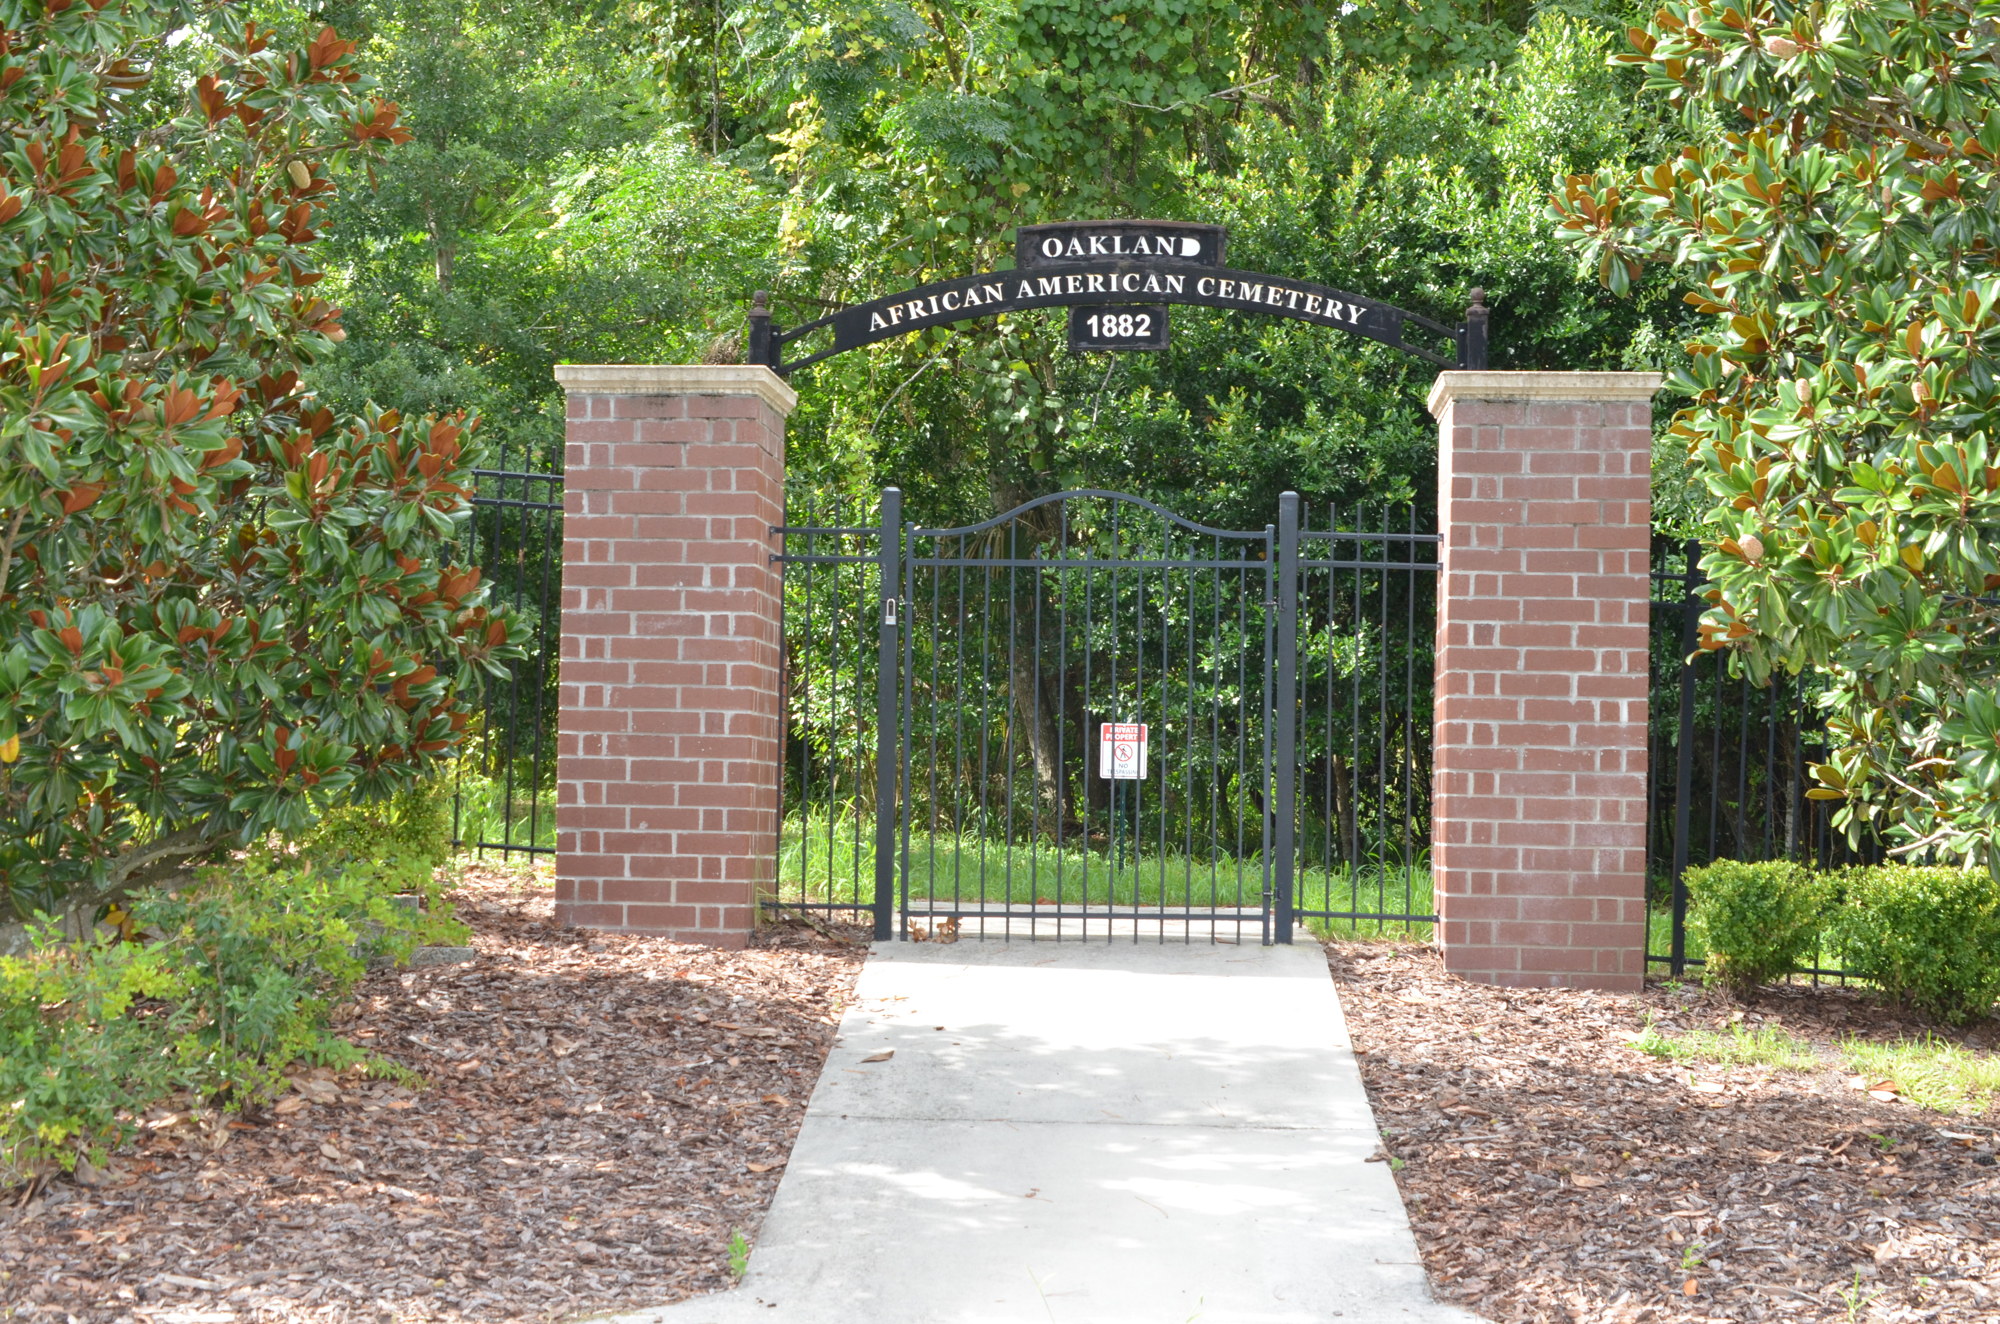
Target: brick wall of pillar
(1539,799)
(668,753)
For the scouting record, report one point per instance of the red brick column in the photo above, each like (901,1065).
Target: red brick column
(1538,819)
(667,812)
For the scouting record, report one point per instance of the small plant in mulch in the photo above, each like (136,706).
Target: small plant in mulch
(207,993)
(601,1121)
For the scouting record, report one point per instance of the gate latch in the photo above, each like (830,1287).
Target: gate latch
(888,611)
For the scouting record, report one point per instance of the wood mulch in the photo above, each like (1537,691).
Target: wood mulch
(601,1113)
(1555,1173)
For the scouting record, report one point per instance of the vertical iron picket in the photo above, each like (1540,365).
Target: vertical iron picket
(1285,757)
(1684,761)
(889,652)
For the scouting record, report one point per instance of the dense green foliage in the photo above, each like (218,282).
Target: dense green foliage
(541,212)
(1927,936)
(1834,216)
(401,838)
(223,606)
(1358,177)
(1757,922)
(576,210)
(207,994)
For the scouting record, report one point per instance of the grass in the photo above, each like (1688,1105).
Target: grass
(828,860)
(1737,1046)
(1932,1073)
(1660,936)
(486,813)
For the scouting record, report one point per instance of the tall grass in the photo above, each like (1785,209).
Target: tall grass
(1660,938)
(829,859)
(486,815)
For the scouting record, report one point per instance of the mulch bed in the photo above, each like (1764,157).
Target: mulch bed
(601,1113)
(1555,1173)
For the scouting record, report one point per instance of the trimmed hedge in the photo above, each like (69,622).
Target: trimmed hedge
(1758,921)
(1930,937)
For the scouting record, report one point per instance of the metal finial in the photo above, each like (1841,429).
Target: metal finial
(1472,338)
(761,345)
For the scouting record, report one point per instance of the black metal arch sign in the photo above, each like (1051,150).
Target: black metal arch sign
(1129,271)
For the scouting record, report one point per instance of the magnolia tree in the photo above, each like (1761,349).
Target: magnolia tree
(221,607)
(1839,217)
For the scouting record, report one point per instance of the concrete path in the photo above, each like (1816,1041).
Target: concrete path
(1074,1133)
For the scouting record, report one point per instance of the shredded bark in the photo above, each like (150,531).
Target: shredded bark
(599,1114)
(1555,1173)
(602,1112)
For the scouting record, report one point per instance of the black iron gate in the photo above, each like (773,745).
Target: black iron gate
(1090,715)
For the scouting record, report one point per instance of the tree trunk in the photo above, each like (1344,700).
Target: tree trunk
(442,252)
(159,863)
(1343,809)
(1035,716)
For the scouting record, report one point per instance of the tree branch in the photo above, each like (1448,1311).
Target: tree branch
(7,547)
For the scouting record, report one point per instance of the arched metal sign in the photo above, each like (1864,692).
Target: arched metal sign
(1135,266)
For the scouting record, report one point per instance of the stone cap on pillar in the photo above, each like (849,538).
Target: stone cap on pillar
(679,379)
(1545,387)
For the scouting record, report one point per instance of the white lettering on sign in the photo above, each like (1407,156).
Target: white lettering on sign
(980,297)
(1058,247)
(1121,750)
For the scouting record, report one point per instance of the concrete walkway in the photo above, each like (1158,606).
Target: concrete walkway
(1075,1133)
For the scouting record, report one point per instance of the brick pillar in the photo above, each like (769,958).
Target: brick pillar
(667,813)
(1538,818)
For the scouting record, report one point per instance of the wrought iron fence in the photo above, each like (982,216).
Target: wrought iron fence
(1367,589)
(1728,759)
(830,549)
(506,791)
(1026,636)
(1728,764)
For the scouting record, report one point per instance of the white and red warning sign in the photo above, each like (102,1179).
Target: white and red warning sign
(1121,750)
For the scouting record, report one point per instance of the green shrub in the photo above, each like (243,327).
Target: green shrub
(407,833)
(1929,937)
(220,987)
(398,842)
(1756,920)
